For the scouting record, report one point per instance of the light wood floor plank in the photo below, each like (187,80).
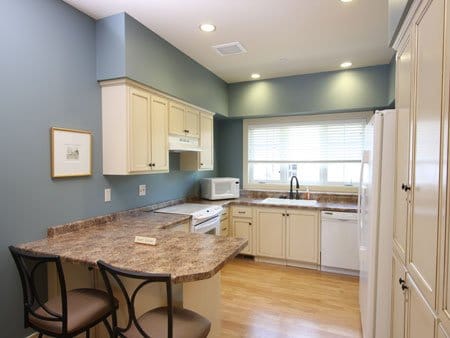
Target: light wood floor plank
(270,301)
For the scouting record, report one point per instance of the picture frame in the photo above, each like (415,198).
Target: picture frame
(71,152)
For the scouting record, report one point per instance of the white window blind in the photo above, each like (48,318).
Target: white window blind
(319,152)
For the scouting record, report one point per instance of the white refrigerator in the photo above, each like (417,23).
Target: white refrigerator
(375,217)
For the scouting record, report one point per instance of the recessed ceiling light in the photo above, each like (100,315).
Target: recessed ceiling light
(207,27)
(255,76)
(346,64)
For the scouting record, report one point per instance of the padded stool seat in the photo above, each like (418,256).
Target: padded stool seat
(84,306)
(186,324)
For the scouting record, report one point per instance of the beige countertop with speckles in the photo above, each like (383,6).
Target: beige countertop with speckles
(186,256)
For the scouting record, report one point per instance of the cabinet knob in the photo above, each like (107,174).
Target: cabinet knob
(283,215)
(404,287)
(201,164)
(405,187)
(153,164)
(149,164)
(401,281)
(287,215)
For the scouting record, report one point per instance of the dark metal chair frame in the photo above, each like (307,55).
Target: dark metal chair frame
(147,278)
(31,299)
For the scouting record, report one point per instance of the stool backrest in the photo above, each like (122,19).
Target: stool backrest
(110,273)
(28,265)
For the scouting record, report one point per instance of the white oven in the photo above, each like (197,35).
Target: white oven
(205,218)
(219,188)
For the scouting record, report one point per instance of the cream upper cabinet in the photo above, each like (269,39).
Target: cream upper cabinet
(270,233)
(159,133)
(206,142)
(134,130)
(192,122)
(176,118)
(140,127)
(288,234)
(422,262)
(203,160)
(302,236)
(404,123)
(183,120)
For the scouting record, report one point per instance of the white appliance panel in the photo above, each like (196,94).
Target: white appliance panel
(375,224)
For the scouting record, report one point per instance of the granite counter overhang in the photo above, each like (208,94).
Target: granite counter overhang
(186,256)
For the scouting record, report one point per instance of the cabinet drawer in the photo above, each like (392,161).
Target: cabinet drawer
(242,211)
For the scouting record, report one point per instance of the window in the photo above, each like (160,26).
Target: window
(321,150)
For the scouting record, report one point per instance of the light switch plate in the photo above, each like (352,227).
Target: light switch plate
(142,190)
(108,195)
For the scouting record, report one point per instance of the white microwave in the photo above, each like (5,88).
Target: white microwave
(219,188)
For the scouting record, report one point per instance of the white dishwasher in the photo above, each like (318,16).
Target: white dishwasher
(339,242)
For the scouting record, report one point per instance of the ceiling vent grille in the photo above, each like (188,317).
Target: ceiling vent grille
(231,48)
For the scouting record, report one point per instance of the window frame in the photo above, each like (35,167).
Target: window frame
(365,115)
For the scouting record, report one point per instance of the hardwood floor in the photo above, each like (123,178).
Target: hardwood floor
(267,301)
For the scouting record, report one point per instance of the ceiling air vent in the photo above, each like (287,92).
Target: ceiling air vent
(231,48)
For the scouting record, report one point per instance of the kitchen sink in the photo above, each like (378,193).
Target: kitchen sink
(284,201)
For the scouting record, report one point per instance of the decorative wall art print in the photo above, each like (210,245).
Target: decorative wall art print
(71,152)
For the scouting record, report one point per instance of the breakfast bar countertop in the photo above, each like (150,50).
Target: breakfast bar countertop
(186,256)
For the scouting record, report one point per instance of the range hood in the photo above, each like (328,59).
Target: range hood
(184,143)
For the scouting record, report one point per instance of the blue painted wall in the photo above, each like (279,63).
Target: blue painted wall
(130,49)
(391,87)
(48,68)
(229,146)
(349,90)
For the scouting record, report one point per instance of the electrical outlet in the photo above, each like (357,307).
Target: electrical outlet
(108,195)
(142,190)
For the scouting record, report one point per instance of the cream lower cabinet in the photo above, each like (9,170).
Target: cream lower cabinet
(224,223)
(135,130)
(398,298)
(242,225)
(420,319)
(288,234)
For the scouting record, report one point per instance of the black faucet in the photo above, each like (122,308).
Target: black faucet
(297,186)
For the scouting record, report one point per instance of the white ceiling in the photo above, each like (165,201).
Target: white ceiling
(282,37)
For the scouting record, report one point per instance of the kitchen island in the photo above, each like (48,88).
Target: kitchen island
(193,260)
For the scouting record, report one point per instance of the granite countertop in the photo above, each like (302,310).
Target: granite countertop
(186,256)
(321,206)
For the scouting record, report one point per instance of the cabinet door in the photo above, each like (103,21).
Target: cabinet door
(206,142)
(243,228)
(403,102)
(192,122)
(398,299)
(224,227)
(420,317)
(176,118)
(159,133)
(270,233)
(139,127)
(302,234)
(424,223)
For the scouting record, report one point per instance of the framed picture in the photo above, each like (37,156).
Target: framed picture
(71,152)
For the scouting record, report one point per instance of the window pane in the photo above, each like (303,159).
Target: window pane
(344,173)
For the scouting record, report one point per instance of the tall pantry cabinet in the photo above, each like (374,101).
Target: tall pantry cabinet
(420,236)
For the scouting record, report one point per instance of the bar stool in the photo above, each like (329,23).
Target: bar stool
(67,315)
(162,322)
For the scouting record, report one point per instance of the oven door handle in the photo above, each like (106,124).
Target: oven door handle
(212,223)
